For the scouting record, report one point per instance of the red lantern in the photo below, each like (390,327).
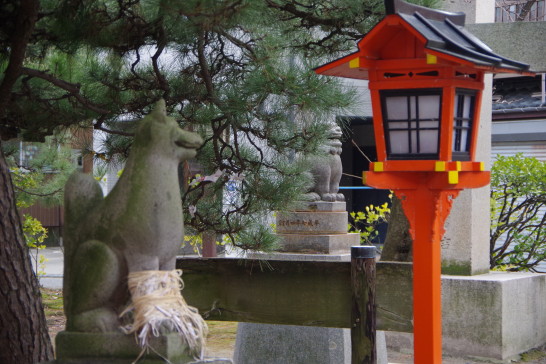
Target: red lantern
(426,76)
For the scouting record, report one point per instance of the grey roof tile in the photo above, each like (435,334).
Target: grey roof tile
(444,35)
(517,94)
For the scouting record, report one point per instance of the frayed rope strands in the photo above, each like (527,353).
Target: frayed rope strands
(158,305)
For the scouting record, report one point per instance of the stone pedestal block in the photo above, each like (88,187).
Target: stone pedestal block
(287,344)
(496,315)
(118,348)
(318,244)
(309,222)
(323,206)
(316,228)
(284,344)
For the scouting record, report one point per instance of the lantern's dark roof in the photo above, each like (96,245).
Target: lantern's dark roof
(517,95)
(444,32)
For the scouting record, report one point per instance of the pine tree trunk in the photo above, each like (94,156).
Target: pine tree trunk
(23,329)
(398,244)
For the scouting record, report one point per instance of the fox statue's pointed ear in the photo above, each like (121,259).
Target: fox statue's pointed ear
(159,113)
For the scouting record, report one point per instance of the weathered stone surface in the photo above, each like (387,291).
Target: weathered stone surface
(111,348)
(137,227)
(322,206)
(301,257)
(285,344)
(145,361)
(305,222)
(79,345)
(496,315)
(326,170)
(318,244)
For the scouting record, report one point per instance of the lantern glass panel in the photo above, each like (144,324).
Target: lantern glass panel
(397,107)
(463,119)
(412,123)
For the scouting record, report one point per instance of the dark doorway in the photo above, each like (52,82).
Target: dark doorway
(359,131)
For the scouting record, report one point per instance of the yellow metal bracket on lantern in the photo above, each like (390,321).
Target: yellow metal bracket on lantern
(453,177)
(354,63)
(431,59)
(378,167)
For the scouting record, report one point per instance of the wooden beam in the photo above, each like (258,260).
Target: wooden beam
(305,293)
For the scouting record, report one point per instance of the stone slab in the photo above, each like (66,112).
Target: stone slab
(301,257)
(118,348)
(322,206)
(496,315)
(285,344)
(306,222)
(318,244)
(126,361)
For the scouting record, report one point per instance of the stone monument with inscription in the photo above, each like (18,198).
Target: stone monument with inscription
(318,228)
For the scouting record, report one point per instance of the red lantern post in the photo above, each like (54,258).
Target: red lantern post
(426,76)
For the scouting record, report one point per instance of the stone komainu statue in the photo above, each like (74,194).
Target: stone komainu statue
(327,170)
(137,227)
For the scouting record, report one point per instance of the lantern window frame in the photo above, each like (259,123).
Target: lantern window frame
(413,123)
(459,119)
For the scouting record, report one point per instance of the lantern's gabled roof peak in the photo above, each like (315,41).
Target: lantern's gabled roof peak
(450,38)
(444,32)
(402,7)
(439,33)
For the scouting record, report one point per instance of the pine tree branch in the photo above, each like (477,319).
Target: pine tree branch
(72,88)
(38,194)
(205,72)
(309,18)
(110,131)
(74,91)
(163,84)
(239,43)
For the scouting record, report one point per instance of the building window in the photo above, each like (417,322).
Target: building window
(412,123)
(519,10)
(462,123)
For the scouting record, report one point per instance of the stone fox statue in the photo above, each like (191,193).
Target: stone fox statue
(137,227)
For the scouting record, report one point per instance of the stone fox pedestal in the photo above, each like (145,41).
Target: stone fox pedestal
(319,228)
(119,348)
